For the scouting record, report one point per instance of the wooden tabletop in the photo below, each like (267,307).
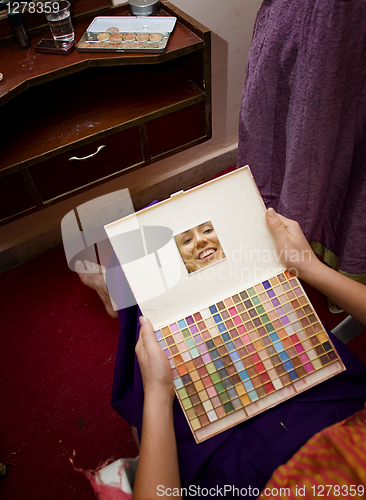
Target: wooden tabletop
(25,68)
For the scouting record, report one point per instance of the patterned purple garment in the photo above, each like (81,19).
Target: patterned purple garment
(302,123)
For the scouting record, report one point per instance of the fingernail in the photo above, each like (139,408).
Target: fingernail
(142,320)
(271,212)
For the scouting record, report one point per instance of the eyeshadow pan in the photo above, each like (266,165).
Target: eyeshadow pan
(225,315)
(266,340)
(190,388)
(257,322)
(258,345)
(250,348)
(251,371)
(203,420)
(221,350)
(304,322)
(202,326)
(317,328)
(197,316)
(261,391)
(174,349)
(263,296)
(235,379)
(332,356)
(319,350)
(240,307)
(324,359)
(263,354)
(301,372)
(228,302)
(255,358)
(218,341)
(275,359)
(285,379)
(256,381)
(205,314)
(309,367)
(249,325)
(229,324)
(312,354)
(190,366)
(244,316)
(227,383)
(226,360)
(314,340)
(271,350)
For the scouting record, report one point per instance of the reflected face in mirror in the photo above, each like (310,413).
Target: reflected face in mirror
(199,246)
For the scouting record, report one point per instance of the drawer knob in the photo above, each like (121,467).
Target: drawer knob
(89,156)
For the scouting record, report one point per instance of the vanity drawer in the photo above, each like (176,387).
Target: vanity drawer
(176,129)
(97,160)
(14,196)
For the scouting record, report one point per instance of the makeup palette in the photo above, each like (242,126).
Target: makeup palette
(246,353)
(126,34)
(241,336)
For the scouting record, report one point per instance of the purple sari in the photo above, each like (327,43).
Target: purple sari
(302,127)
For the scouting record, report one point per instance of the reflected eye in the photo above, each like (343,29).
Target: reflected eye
(208,230)
(186,241)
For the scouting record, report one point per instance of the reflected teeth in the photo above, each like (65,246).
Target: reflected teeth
(206,254)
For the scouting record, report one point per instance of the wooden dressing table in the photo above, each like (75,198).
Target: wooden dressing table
(71,122)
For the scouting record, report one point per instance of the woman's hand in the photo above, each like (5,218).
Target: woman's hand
(296,254)
(154,365)
(158,460)
(292,247)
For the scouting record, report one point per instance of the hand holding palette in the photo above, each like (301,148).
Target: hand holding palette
(239,332)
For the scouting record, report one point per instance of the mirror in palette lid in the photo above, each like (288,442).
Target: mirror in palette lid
(144,7)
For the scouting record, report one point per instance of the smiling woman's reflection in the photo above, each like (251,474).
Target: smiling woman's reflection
(199,246)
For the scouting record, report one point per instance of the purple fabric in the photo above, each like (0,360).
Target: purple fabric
(302,126)
(248,454)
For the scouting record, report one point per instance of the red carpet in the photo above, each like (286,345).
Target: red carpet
(57,358)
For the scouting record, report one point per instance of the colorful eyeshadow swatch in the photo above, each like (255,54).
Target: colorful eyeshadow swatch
(246,353)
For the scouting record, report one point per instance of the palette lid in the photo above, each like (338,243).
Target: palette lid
(148,245)
(149,24)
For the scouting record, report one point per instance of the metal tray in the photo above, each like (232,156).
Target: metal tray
(142,27)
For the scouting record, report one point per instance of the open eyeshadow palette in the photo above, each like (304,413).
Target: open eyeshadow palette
(240,333)
(127,34)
